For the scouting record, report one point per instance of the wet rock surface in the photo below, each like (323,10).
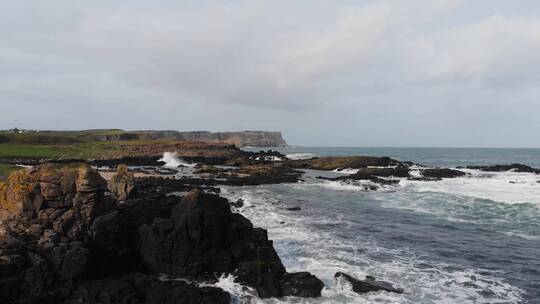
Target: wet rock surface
(144,289)
(202,239)
(503,168)
(438,173)
(367,285)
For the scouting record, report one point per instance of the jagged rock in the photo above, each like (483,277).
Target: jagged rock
(206,169)
(238,204)
(122,183)
(203,239)
(503,168)
(442,173)
(143,289)
(48,186)
(301,284)
(368,285)
(371,173)
(353,162)
(65,238)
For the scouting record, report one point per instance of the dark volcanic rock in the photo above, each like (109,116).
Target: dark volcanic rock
(503,168)
(143,289)
(63,238)
(368,285)
(353,162)
(238,204)
(203,239)
(150,160)
(301,284)
(60,230)
(369,173)
(441,173)
(153,184)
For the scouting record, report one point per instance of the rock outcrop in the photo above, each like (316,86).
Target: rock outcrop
(503,168)
(122,183)
(28,192)
(144,289)
(438,173)
(64,239)
(349,162)
(367,285)
(52,216)
(202,239)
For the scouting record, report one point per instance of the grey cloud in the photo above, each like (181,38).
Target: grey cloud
(383,72)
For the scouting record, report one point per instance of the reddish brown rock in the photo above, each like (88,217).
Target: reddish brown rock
(122,183)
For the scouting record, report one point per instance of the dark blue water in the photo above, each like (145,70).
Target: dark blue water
(428,156)
(469,240)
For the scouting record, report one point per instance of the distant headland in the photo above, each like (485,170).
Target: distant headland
(240,138)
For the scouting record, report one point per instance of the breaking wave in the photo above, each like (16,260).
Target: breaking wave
(326,240)
(297,156)
(172,160)
(506,187)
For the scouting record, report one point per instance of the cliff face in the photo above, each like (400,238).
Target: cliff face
(240,139)
(244,138)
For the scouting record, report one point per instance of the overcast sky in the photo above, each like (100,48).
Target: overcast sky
(349,73)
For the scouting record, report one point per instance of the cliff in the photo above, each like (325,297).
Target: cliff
(240,139)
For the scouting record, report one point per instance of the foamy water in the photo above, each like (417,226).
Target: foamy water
(506,187)
(298,156)
(172,160)
(468,240)
(324,241)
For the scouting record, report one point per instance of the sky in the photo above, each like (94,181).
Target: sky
(442,73)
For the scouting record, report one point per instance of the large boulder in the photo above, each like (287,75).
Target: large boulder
(203,239)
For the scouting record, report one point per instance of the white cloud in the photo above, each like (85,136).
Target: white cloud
(253,54)
(497,51)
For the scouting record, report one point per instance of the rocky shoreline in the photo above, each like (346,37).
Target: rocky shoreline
(67,235)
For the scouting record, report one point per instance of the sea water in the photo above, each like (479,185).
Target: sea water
(466,240)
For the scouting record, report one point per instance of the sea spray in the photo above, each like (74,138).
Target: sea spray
(298,156)
(172,160)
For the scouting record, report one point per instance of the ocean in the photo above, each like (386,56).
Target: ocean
(466,240)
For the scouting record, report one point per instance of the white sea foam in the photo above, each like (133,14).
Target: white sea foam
(269,158)
(348,185)
(303,247)
(346,171)
(296,156)
(507,187)
(521,235)
(172,160)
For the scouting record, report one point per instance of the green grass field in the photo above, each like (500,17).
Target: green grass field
(54,144)
(5,170)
